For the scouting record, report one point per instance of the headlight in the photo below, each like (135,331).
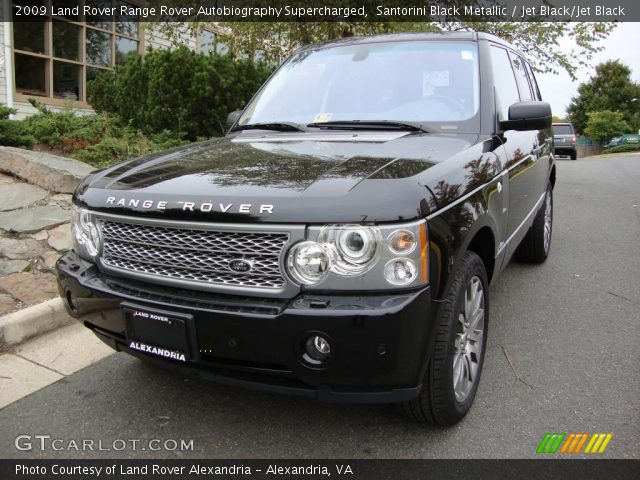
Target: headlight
(309,262)
(86,236)
(354,247)
(361,257)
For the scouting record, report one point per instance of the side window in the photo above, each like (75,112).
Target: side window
(504,81)
(534,83)
(521,77)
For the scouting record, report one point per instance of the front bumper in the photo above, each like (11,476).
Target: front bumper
(380,343)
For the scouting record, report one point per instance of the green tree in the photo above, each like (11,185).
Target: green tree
(610,89)
(604,125)
(273,41)
(537,40)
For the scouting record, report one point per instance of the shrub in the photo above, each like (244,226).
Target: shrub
(70,132)
(48,127)
(99,139)
(99,91)
(130,143)
(605,124)
(12,132)
(626,147)
(5,112)
(177,90)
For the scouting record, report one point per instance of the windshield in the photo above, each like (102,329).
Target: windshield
(562,130)
(433,82)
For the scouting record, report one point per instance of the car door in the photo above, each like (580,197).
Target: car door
(522,148)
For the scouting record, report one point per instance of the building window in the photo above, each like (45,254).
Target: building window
(56,58)
(213,43)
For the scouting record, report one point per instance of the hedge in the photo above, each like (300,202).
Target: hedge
(177,90)
(626,147)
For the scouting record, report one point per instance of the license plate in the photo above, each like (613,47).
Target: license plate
(158,333)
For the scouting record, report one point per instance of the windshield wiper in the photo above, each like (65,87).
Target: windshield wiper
(276,126)
(369,125)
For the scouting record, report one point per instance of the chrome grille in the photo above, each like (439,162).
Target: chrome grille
(194,255)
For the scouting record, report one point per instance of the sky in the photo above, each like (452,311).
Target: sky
(622,44)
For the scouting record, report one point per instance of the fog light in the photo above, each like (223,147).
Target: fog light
(317,350)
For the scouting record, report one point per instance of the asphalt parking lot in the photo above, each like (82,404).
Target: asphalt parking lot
(562,356)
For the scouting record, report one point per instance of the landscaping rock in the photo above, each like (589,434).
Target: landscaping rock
(29,288)
(7,303)
(12,266)
(51,172)
(50,258)
(62,198)
(20,249)
(6,179)
(41,235)
(19,195)
(60,237)
(29,220)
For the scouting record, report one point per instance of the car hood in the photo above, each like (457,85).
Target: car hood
(341,176)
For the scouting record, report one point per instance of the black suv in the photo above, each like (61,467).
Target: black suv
(339,242)
(564,138)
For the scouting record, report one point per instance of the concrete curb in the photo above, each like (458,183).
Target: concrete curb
(29,322)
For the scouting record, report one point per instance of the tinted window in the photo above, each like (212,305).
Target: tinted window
(562,130)
(405,81)
(521,77)
(504,81)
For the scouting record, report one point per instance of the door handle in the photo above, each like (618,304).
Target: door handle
(535,153)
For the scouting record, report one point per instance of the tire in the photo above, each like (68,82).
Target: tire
(443,399)
(535,246)
(574,155)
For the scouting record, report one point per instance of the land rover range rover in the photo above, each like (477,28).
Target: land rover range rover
(339,242)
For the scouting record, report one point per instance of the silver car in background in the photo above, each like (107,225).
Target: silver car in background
(564,139)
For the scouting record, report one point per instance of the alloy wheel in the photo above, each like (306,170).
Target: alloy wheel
(548,219)
(469,340)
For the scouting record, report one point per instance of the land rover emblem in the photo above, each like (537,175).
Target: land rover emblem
(239,265)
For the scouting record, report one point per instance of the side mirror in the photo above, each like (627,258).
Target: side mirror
(529,115)
(233,117)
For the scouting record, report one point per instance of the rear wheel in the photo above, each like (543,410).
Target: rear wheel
(453,372)
(574,155)
(535,246)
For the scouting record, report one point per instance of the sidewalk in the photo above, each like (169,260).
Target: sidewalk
(46,359)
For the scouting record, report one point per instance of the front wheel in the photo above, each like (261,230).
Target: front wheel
(454,367)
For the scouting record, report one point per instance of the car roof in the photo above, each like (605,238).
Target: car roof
(409,37)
